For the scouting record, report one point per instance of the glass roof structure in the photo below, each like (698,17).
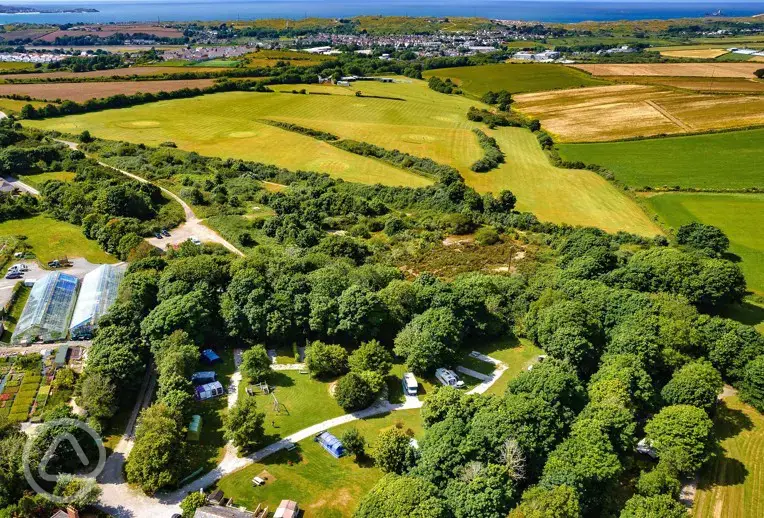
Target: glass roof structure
(97,294)
(48,310)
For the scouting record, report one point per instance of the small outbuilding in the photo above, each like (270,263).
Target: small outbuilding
(194,429)
(331,444)
(209,356)
(203,377)
(209,391)
(287,509)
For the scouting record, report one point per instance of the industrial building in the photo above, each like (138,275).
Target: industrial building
(48,310)
(97,294)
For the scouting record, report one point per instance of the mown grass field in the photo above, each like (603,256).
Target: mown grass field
(410,118)
(732,485)
(740,216)
(730,160)
(625,111)
(515,78)
(13,107)
(50,239)
(324,487)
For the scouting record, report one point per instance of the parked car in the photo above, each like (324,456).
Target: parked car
(195,240)
(19,267)
(13,275)
(157,235)
(165,232)
(55,263)
(448,378)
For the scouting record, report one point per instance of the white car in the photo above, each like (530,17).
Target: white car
(19,267)
(448,378)
(195,240)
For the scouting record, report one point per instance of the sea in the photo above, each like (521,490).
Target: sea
(538,10)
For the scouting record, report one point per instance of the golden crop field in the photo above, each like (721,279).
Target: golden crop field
(624,111)
(698,84)
(694,53)
(407,116)
(719,69)
(115,72)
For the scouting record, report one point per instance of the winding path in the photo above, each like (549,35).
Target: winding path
(193,226)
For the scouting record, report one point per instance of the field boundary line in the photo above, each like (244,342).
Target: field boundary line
(676,120)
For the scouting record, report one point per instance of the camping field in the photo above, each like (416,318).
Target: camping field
(740,216)
(715,161)
(51,239)
(516,78)
(732,484)
(407,116)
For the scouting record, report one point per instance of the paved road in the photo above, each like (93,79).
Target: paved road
(21,185)
(193,226)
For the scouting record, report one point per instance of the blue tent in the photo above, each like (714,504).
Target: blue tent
(209,356)
(203,377)
(331,444)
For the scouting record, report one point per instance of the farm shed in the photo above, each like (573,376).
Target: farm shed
(61,355)
(209,356)
(210,390)
(203,377)
(48,310)
(331,444)
(194,428)
(97,294)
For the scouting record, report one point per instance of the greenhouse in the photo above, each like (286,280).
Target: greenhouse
(97,294)
(48,310)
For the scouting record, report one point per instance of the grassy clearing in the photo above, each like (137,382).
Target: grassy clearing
(740,216)
(731,485)
(13,315)
(516,78)
(324,486)
(50,239)
(13,107)
(36,180)
(426,123)
(303,401)
(516,354)
(715,161)
(216,63)
(15,66)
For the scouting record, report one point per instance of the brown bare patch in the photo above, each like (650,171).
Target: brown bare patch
(80,92)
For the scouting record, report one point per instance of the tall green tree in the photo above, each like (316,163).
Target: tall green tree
(244,424)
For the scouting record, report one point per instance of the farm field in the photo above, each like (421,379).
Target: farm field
(694,53)
(11,66)
(625,111)
(698,84)
(106,30)
(740,216)
(80,92)
(720,161)
(558,195)
(672,69)
(115,72)
(12,106)
(732,484)
(516,78)
(51,239)
(267,58)
(209,126)
(328,487)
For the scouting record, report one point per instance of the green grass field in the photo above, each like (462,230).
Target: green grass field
(36,180)
(15,313)
(226,63)
(730,160)
(516,78)
(516,354)
(50,239)
(424,123)
(740,216)
(732,484)
(13,107)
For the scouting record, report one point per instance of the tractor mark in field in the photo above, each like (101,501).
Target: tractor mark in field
(676,120)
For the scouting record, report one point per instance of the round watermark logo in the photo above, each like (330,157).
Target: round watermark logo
(95,465)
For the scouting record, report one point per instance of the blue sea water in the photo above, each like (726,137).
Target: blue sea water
(546,11)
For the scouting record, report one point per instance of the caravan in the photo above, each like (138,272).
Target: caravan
(410,385)
(448,378)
